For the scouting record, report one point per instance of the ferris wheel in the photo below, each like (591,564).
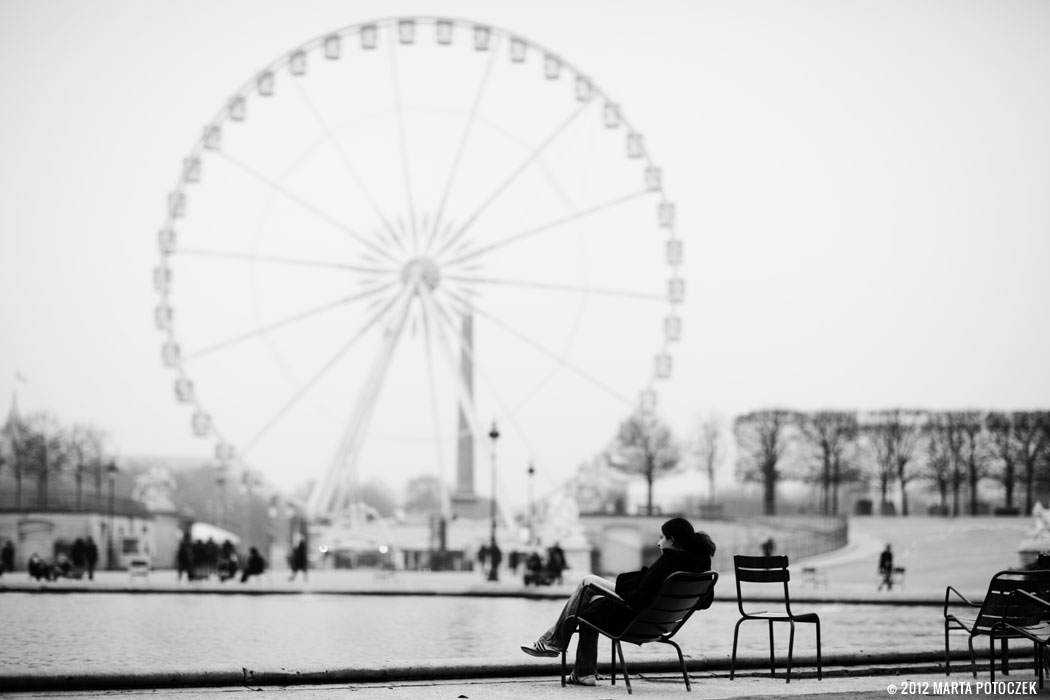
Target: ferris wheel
(402,231)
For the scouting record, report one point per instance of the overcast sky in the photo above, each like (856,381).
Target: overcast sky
(861,189)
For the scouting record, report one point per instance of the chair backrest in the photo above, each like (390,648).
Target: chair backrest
(679,596)
(761,570)
(1022,612)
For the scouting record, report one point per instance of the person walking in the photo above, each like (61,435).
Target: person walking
(681,549)
(886,568)
(7,557)
(298,560)
(90,557)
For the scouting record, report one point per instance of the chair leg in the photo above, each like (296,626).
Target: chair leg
(791,648)
(1004,653)
(732,661)
(973,660)
(772,665)
(681,660)
(991,657)
(626,678)
(612,657)
(563,668)
(820,670)
(947,655)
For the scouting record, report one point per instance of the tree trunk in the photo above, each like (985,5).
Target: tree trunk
(80,488)
(956,481)
(649,499)
(43,487)
(836,479)
(769,501)
(825,484)
(1008,481)
(1029,473)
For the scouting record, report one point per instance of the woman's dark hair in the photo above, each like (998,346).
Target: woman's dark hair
(683,534)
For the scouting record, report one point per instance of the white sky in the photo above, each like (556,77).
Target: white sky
(861,188)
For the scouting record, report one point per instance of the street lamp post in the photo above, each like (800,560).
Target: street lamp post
(493,563)
(111,473)
(532,506)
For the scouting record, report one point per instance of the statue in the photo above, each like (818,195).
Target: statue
(1037,537)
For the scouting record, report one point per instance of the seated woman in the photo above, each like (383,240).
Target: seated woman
(681,549)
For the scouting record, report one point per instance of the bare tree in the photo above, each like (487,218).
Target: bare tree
(894,436)
(1032,431)
(44,450)
(938,467)
(955,439)
(1000,427)
(85,445)
(762,438)
(646,447)
(831,433)
(709,450)
(973,451)
(14,444)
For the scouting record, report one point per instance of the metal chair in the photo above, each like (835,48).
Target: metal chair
(1037,632)
(764,571)
(1002,615)
(679,597)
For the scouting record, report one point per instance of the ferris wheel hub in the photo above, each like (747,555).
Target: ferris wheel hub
(424,270)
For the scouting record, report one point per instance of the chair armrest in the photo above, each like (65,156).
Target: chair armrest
(948,591)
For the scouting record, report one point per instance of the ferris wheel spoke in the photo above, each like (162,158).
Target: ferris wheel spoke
(546,286)
(347,163)
(406,171)
(287,321)
(299,393)
(512,178)
(468,130)
(542,349)
(280,260)
(550,225)
(313,209)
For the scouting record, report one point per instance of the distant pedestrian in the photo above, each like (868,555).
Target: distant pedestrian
(886,568)
(78,555)
(255,566)
(768,547)
(483,558)
(38,569)
(298,560)
(556,564)
(229,562)
(184,558)
(90,557)
(7,557)
(495,559)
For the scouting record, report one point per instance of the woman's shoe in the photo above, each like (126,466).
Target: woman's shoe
(541,648)
(573,679)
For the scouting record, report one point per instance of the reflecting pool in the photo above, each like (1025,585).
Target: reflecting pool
(162,632)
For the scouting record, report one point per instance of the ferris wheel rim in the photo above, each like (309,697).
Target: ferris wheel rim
(245,91)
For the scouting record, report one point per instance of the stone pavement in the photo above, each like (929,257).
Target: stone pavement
(874,683)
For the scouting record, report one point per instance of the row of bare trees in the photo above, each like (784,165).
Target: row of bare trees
(39,447)
(950,452)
